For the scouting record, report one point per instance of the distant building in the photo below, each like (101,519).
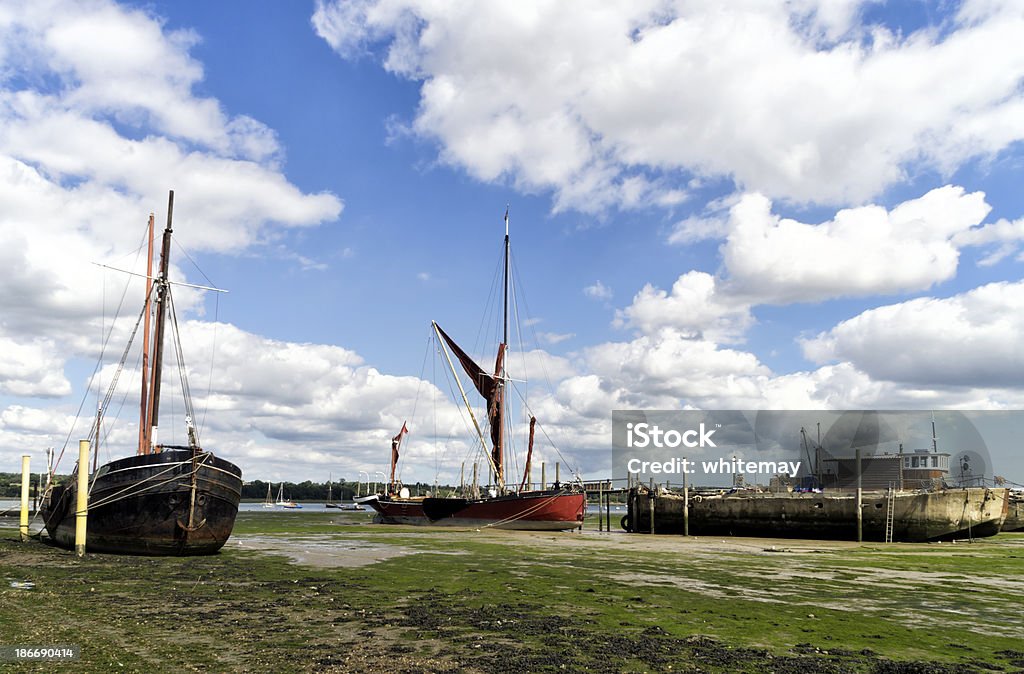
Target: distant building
(920,469)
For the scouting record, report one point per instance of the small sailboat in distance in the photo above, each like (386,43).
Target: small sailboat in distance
(330,500)
(269,501)
(282,502)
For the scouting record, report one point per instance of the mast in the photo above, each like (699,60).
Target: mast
(144,419)
(96,451)
(505,334)
(162,289)
(500,373)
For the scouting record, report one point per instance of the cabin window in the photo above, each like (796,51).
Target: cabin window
(906,462)
(935,462)
(913,462)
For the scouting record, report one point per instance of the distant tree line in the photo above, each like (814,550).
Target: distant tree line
(10,484)
(341,490)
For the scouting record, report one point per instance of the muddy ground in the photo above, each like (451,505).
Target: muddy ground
(316,593)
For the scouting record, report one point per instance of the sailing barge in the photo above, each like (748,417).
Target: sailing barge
(165,500)
(502,506)
(895,515)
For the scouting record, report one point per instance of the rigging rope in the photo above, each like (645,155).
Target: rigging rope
(182,374)
(99,360)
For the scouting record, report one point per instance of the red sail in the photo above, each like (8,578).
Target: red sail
(529,454)
(496,416)
(483,381)
(396,442)
(490,388)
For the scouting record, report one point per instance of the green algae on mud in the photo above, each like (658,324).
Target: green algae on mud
(491,601)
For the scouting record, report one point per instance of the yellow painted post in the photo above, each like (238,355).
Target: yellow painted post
(82,507)
(25,478)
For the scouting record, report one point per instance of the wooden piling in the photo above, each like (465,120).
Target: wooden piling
(686,503)
(608,508)
(26,478)
(82,506)
(860,500)
(650,498)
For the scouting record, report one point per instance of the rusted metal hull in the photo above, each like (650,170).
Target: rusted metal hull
(532,511)
(1015,515)
(142,505)
(917,516)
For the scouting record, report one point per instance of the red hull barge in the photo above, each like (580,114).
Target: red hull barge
(531,511)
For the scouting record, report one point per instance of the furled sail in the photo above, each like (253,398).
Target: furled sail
(489,386)
(396,443)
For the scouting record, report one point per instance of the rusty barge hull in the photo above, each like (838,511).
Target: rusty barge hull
(1015,516)
(141,505)
(917,516)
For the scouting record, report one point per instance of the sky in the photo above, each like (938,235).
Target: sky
(811,204)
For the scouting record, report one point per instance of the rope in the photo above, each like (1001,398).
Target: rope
(182,374)
(528,511)
(213,357)
(542,430)
(127,491)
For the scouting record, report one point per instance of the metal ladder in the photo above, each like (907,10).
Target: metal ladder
(890,514)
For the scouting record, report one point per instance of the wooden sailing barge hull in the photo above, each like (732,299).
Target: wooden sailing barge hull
(142,506)
(399,511)
(535,511)
(917,516)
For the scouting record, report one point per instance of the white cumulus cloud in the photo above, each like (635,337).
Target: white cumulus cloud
(620,104)
(968,340)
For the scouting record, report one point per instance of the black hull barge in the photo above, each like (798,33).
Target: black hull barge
(151,505)
(166,499)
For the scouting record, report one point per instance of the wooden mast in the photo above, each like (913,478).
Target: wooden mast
(501,375)
(144,418)
(158,330)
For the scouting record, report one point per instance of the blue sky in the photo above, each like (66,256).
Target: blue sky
(777,206)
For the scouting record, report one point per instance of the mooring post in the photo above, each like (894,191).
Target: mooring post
(608,507)
(543,476)
(860,497)
(25,479)
(558,473)
(686,502)
(82,507)
(600,494)
(650,497)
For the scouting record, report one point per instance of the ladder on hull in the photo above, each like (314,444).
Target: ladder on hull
(890,514)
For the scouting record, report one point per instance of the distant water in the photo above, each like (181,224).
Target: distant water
(11,507)
(306,508)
